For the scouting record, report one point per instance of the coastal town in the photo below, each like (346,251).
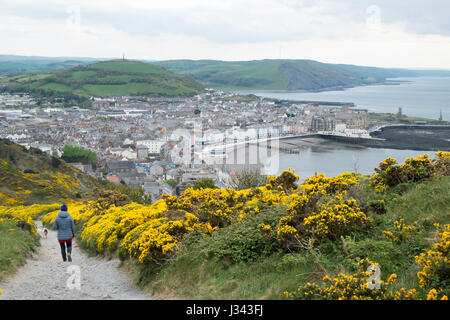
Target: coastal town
(146,142)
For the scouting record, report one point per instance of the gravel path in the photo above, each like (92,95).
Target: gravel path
(46,277)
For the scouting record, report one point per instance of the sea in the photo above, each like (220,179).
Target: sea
(424,97)
(418,97)
(333,162)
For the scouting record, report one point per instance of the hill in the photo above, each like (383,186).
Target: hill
(285,74)
(11,64)
(106,78)
(31,176)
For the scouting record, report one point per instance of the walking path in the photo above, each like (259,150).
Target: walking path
(46,277)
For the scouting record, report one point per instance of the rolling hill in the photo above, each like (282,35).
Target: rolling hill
(285,74)
(106,78)
(11,64)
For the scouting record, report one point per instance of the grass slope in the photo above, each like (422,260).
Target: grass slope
(202,269)
(108,78)
(31,176)
(15,245)
(11,64)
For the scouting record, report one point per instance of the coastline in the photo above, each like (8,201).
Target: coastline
(387,82)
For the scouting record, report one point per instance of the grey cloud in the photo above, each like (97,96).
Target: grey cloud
(292,20)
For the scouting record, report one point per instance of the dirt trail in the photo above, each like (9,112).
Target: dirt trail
(46,277)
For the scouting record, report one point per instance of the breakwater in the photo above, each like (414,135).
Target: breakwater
(411,137)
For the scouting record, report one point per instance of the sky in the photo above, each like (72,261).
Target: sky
(382,33)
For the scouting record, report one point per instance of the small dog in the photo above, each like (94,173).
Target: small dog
(45,233)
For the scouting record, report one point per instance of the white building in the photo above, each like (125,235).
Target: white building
(154,146)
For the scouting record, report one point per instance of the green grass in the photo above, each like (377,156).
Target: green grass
(263,279)
(15,245)
(80,75)
(108,90)
(428,201)
(129,67)
(21,78)
(56,87)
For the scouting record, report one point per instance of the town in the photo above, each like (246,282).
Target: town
(165,144)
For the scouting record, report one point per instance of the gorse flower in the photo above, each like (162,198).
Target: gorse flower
(389,173)
(435,263)
(352,287)
(401,231)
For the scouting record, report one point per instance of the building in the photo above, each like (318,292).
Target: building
(154,146)
(120,167)
(142,152)
(322,124)
(100,104)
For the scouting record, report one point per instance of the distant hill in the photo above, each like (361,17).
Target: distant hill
(10,64)
(106,78)
(285,74)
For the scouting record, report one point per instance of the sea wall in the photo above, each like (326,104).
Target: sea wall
(412,137)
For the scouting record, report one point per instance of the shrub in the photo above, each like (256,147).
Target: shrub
(247,179)
(286,181)
(243,241)
(55,162)
(336,219)
(389,174)
(357,286)
(435,263)
(204,184)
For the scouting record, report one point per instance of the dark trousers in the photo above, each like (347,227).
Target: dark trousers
(63,248)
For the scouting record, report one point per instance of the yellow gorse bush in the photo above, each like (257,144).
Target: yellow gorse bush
(106,229)
(24,215)
(53,184)
(401,231)
(435,263)
(352,287)
(389,173)
(307,218)
(336,219)
(80,211)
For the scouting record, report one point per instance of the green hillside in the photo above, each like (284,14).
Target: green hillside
(107,78)
(31,176)
(283,74)
(11,64)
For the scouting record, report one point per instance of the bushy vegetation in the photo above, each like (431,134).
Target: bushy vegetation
(29,176)
(204,183)
(247,179)
(320,239)
(78,154)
